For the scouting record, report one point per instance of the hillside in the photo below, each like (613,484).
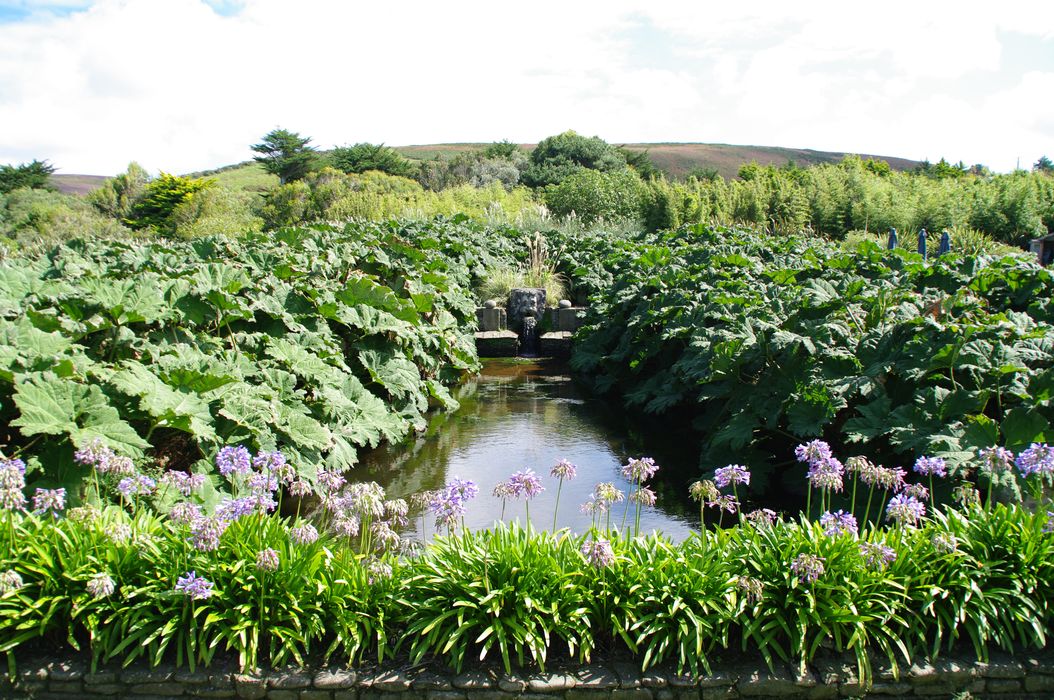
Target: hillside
(674,159)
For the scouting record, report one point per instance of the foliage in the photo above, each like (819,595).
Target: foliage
(286,154)
(215,211)
(760,339)
(363,157)
(160,199)
(34,175)
(592,196)
(1044,165)
(119,194)
(320,341)
(557,157)
(31,220)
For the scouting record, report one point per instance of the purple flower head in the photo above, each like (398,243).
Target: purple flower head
(826,474)
(702,491)
(838,523)
(377,570)
(504,490)
(384,537)
(905,510)
(12,481)
(726,503)
(762,517)
(813,452)
(918,491)
(345,525)
(464,489)
(640,470)
(10,580)
(931,466)
(732,474)
(184,513)
(329,480)
(267,560)
(182,482)
(271,462)
(526,484)
(995,460)
(194,586)
(263,483)
(234,460)
(205,533)
(598,553)
(53,500)
(1038,458)
(877,555)
(594,506)
(564,470)
(100,585)
(299,488)
(132,486)
(808,567)
(607,492)
(644,496)
(305,534)
(231,509)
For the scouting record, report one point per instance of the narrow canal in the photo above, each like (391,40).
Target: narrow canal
(519,415)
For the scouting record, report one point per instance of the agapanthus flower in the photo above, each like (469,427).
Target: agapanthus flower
(813,452)
(732,474)
(83,514)
(464,489)
(329,480)
(448,504)
(45,500)
(876,554)
(905,510)
(640,470)
(644,496)
(564,470)
(995,460)
(1038,458)
(808,567)
(234,460)
(931,466)
(726,502)
(1049,525)
(194,586)
(750,587)
(12,482)
(704,490)
(132,486)
(346,525)
(263,483)
(421,499)
(274,463)
(119,533)
(305,534)
(299,488)
(104,460)
(594,506)
(918,491)
(761,516)
(826,474)
(100,585)
(944,542)
(889,478)
(10,580)
(608,492)
(182,482)
(384,537)
(231,509)
(89,454)
(205,532)
(377,570)
(526,484)
(267,559)
(184,513)
(598,552)
(838,523)
(503,490)
(397,510)
(858,464)
(366,499)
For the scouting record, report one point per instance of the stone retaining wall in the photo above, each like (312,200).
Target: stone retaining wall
(1030,676)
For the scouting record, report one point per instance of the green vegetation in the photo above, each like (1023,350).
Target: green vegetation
(35,176)
(556,158)
(363,157)
(286,154)
(318,341)
(764,339)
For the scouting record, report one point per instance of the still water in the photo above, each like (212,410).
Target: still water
(519,415)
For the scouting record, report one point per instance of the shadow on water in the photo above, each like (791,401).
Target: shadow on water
(528,414)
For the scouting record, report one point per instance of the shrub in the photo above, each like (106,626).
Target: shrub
(593,196)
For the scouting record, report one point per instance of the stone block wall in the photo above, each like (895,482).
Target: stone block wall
(1027,676)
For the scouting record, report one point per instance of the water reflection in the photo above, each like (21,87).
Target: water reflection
(528,415)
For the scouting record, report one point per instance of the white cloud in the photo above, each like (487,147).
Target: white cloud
(181,85)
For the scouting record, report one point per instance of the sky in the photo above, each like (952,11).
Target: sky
(186,85)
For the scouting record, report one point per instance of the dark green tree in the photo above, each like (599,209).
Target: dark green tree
(160,198)
(558,157)
(640,161)
(286,154)
(35,175)
(366,156)
(501,149)
(1043,165)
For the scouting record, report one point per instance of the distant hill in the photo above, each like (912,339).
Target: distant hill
(674,159)
(677,159)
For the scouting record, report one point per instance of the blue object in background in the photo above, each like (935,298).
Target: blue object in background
(946,243)
(922,243)
(892,239)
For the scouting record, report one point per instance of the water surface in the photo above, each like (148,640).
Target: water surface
(528,415)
